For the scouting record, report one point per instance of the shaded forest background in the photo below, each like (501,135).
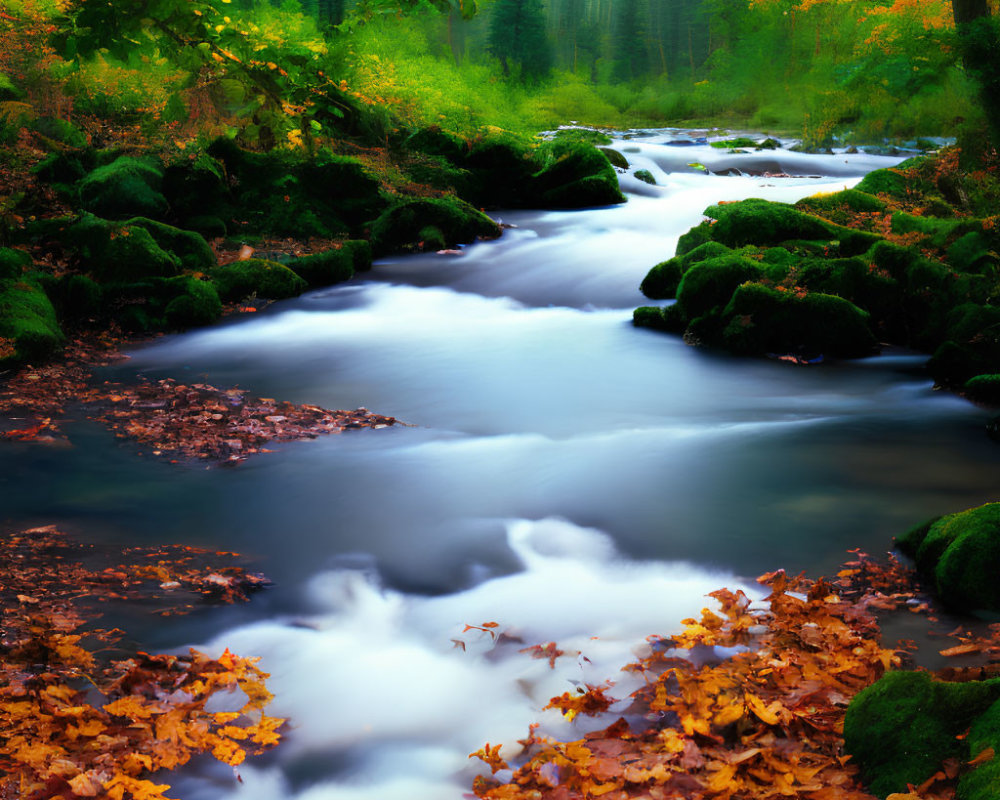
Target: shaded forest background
(270,73)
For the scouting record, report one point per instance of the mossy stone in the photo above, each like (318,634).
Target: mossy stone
(256,276)
(115,253)
(190,247)
(662,280)
(900,729)
(984,389)
(74,296)
(708,285)
(974,252)
(208,225)
(28,322)
(839,207)
(666,319)
(323,269)
(575,175)
(127,187)
(13,263)
(616,158)
(500,168)
(400,227)
(361,253)
(196,187)
(198,305)
(981,783)
(696,236)
(761,320)
(60,130)
(435,141)
(645,176)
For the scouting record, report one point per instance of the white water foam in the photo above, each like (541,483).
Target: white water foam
(375,683)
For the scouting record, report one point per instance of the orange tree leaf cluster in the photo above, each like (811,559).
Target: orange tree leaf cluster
(77,723)
(745,702)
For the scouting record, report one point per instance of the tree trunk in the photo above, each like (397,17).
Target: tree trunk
(979,37)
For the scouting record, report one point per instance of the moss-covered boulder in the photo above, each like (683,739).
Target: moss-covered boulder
(971,346)
(900,729)
(405,225)
(501,167)
(576,175)
(762,222)
(961,553)
(984,389)
(323,269)
(616,158)
(645,176)
(13,263)
(197,304)
(255,276)
(897,181)
(434,141)
(361,253)
(74,296)
(190,247)
(662,280)
(982,782)
(127,187)
(709,284)
(119,253)
(29,330)
(289,194)
(840,207)
(760,319)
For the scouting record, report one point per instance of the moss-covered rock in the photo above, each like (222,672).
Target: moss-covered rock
(127,187)
(208,225)
(576,175)
(762,222)
(971,345)
(501,169)
(119,253)
(361,253)
(984,389)
(29,331)
(900,729)
(709,284)
(258,277)
(190,247)
(434,141)
(839,207)
(662,280)
(288,194)
(617,159)
(13,263)
(197,187)
(197,305)
(61,131)
(400,227)
(974,252)
(982,782)
(961,553)
(323,269)
(667,318)
(74,296)
(645,176)
(760,319)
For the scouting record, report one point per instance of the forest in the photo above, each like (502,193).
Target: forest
(226,226)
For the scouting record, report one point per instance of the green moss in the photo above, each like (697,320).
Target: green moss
(708,285)
(909,543)
(616,158)
(61,131)
(974,252)
(127,187)
(762,222)
(984,389)
(399,227)
(209,226)
(74,296)
(256,276)
(851,279)
(196,187)
(900,729)
(840,207)
(323,269)
(198,305)
(982,782)
(661,281)
(971,345)
(961,552)
(760,320)
(645,176)
(190,247)
(732,144)
(584,135)
(28,320)
(698,235)
(361,253)
(501,168)
(115,253)
(12,263)
(575,175)
(434,141)
(663,319)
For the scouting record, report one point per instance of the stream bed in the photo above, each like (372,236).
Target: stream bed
(566,475)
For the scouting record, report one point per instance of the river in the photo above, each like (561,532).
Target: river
(566,475)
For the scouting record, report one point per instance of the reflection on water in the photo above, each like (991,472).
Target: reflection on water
(567,475)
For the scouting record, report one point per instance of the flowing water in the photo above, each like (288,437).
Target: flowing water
(568,476)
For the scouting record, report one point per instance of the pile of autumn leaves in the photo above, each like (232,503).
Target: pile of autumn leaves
(762,718)
(77,723)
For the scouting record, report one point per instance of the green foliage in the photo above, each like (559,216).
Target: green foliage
(256,277)
(13,263)
(517,37)
(190,248)
(903,726)
(198,305)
